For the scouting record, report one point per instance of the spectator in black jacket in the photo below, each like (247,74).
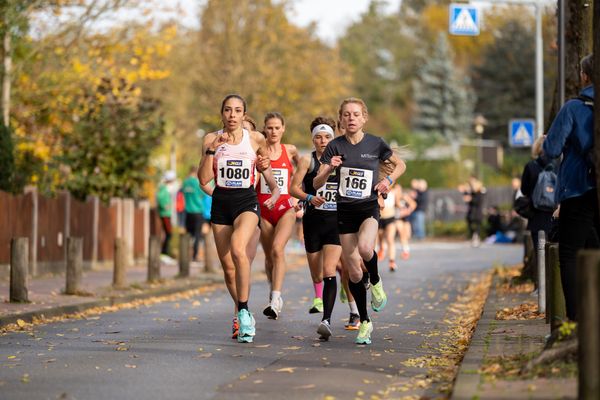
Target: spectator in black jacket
(540,220)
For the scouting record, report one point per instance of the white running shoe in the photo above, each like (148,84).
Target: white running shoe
(324,330)
(274,308)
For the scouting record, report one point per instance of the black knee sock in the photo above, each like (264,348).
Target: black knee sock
(360,296)
(372,268)
(242,305)
(365,278)
(329,293)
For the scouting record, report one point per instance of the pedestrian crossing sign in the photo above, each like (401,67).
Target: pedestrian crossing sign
(464,20)
(521,132)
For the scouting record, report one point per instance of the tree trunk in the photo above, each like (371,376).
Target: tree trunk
(596,80)
(578,44)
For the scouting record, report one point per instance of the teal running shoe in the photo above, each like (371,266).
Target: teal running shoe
(247,331)
(364,333)
(378,297)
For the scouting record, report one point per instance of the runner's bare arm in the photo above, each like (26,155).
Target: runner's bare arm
(398,169)
(293,152)
(205,170)
(208,188)
(296,186)
(261,150)
(325,170)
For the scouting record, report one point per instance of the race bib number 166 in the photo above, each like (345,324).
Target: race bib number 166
(355,183)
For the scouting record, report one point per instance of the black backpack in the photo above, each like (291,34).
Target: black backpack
(544,190)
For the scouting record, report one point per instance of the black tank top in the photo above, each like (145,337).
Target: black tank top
(307,182)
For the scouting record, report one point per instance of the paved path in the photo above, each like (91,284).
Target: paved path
(182,349)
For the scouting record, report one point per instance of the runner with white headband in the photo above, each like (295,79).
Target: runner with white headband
(321,236)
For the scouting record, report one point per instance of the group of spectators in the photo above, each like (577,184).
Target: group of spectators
(192,206)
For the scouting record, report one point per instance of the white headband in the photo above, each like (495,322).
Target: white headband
(322,128)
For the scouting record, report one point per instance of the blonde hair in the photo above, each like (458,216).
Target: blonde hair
(536,147)
(354,100)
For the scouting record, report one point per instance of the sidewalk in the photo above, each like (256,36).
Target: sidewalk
(509,333)
(46,298)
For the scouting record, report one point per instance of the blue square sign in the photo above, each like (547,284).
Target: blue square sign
(521,132)
(464,20)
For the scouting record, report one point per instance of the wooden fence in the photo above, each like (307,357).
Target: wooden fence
(48,221)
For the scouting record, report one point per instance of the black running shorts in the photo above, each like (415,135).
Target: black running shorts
(228,204)
(320,229)
(384,222)
(350,217)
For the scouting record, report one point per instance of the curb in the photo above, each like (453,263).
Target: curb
(468,378)
(105,302)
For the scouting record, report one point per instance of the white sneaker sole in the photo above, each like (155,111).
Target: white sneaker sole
(324,331)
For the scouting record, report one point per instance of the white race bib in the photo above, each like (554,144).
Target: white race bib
(281,178)
(232,173)
(355,183)
(329,192)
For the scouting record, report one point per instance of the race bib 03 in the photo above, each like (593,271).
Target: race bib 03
(329,192)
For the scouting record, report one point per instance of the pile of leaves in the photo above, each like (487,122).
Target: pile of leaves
(446,355)
(523,311)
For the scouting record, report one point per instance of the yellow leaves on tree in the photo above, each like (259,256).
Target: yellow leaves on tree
(50,96)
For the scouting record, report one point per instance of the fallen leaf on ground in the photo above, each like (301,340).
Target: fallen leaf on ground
(289,370)
(304,387)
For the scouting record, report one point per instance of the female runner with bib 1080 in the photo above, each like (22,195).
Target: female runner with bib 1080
(277,223)
(356,158)
(230,157)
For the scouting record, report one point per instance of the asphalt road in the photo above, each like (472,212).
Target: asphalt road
(183,349)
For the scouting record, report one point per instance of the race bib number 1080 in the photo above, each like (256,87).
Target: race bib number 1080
(355,183)
(234,173)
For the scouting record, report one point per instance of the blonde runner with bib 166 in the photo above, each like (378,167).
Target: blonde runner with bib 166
(356,158)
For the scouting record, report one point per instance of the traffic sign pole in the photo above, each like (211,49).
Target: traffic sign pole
(539,60)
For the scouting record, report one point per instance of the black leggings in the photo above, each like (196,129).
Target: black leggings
(578,229)
(193,226)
